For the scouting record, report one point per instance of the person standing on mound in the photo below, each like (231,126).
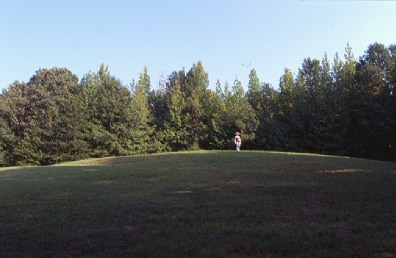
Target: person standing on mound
(238,141)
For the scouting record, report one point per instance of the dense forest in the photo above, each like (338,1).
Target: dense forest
(343,106)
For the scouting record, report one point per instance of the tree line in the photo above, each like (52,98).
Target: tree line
(345,106)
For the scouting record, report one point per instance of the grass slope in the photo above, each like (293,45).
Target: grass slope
(200,204)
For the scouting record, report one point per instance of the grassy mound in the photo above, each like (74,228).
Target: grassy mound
(200,204)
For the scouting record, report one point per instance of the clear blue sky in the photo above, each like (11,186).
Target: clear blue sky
(167,35)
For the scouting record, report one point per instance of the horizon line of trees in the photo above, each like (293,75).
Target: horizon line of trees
(340,107)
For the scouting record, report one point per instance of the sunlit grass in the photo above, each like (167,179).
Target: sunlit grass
(200,204)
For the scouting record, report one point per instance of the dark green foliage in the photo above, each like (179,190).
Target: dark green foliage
(175,129)
(343,107)
(143,139)
(6,143)
(214,136)
(198,106)
(236,114)
(47,116)
(364,99)
(111,115)
(262,97)
(187,112)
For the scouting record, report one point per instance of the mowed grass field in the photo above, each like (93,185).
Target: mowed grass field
(201,204)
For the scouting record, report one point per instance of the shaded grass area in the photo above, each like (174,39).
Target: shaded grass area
(201,204)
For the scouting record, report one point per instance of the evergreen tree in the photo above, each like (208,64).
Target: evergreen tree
(328,109)
(261,97)
(216,137)
(173,122)
(254,93)
(267,127)
(7,138)
(286,115)
(373,116)
(110,112)
(392,70)
(318,106)
(197,96)
(391,119)
(240,116)
(348,105)
(287,92)
(142,138)
(223,132)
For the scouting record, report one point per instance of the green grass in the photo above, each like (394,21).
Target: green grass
(201,204)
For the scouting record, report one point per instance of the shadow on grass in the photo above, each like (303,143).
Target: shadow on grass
(229,204)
